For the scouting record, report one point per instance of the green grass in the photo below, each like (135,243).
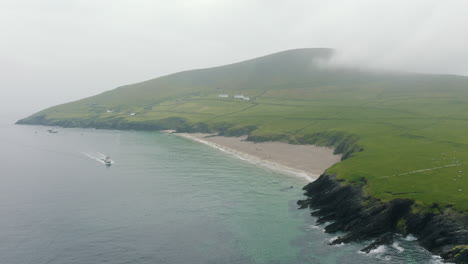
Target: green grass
(413,127)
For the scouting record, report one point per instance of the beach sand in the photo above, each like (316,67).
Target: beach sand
(304,161)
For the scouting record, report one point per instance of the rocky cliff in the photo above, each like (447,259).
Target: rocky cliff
(442,231)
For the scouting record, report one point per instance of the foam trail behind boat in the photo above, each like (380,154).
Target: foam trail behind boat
(96,156)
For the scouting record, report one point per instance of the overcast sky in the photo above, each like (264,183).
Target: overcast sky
(55,51)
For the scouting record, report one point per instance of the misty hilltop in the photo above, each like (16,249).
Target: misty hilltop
(282,68)
(300,71)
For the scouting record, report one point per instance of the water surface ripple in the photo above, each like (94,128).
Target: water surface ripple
(165,200)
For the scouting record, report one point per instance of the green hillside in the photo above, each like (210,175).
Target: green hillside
(404,135)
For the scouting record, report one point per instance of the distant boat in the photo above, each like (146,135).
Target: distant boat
(52,131)
(107,160)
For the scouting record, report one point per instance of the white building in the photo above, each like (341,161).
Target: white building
(223,96)
(241,96)
(132,114)
(109,111)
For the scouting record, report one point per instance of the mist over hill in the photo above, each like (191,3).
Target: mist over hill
(278,69)
(307,69)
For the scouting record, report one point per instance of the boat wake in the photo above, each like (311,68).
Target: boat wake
(97,156)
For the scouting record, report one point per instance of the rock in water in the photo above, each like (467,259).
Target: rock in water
(384,239)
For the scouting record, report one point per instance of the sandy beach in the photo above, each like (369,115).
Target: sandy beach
(304,161)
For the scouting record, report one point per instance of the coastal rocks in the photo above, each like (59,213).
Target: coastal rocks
(384,239)
(442,234)
(458,254)
(365,218)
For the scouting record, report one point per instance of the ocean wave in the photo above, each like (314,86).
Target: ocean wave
(437,260)
(397,246)
(410,237)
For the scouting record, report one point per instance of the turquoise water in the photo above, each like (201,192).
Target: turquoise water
(165,200)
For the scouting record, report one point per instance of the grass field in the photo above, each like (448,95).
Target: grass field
(413,128)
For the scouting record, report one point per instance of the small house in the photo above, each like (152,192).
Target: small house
(223,96)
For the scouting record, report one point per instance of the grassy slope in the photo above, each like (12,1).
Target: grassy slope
(405,122)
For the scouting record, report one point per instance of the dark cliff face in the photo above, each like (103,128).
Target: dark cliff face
(366,218)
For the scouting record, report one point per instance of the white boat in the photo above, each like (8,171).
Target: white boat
(107,160)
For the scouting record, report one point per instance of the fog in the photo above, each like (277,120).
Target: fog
(55,51)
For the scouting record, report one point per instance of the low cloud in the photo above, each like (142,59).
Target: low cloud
(54,51)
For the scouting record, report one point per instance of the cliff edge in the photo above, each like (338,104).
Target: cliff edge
(442,231)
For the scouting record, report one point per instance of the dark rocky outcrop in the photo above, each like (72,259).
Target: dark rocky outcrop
(384,239)
(457,254)
(365,218)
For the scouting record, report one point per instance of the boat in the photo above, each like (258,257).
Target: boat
(52,131)
(107,160)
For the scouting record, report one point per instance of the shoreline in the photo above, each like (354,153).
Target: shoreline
(442,231)
(325,194)
(306,162)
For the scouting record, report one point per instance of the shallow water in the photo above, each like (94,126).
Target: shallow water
(166,199)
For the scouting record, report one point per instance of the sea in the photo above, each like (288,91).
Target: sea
(165,199)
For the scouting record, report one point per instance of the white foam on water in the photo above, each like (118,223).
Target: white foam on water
(101,155)
(396,246)
(325,225)
(329,241)
(339,245)
(315,227)
(410,237)
(379,250)
(97,156)
(438,260)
